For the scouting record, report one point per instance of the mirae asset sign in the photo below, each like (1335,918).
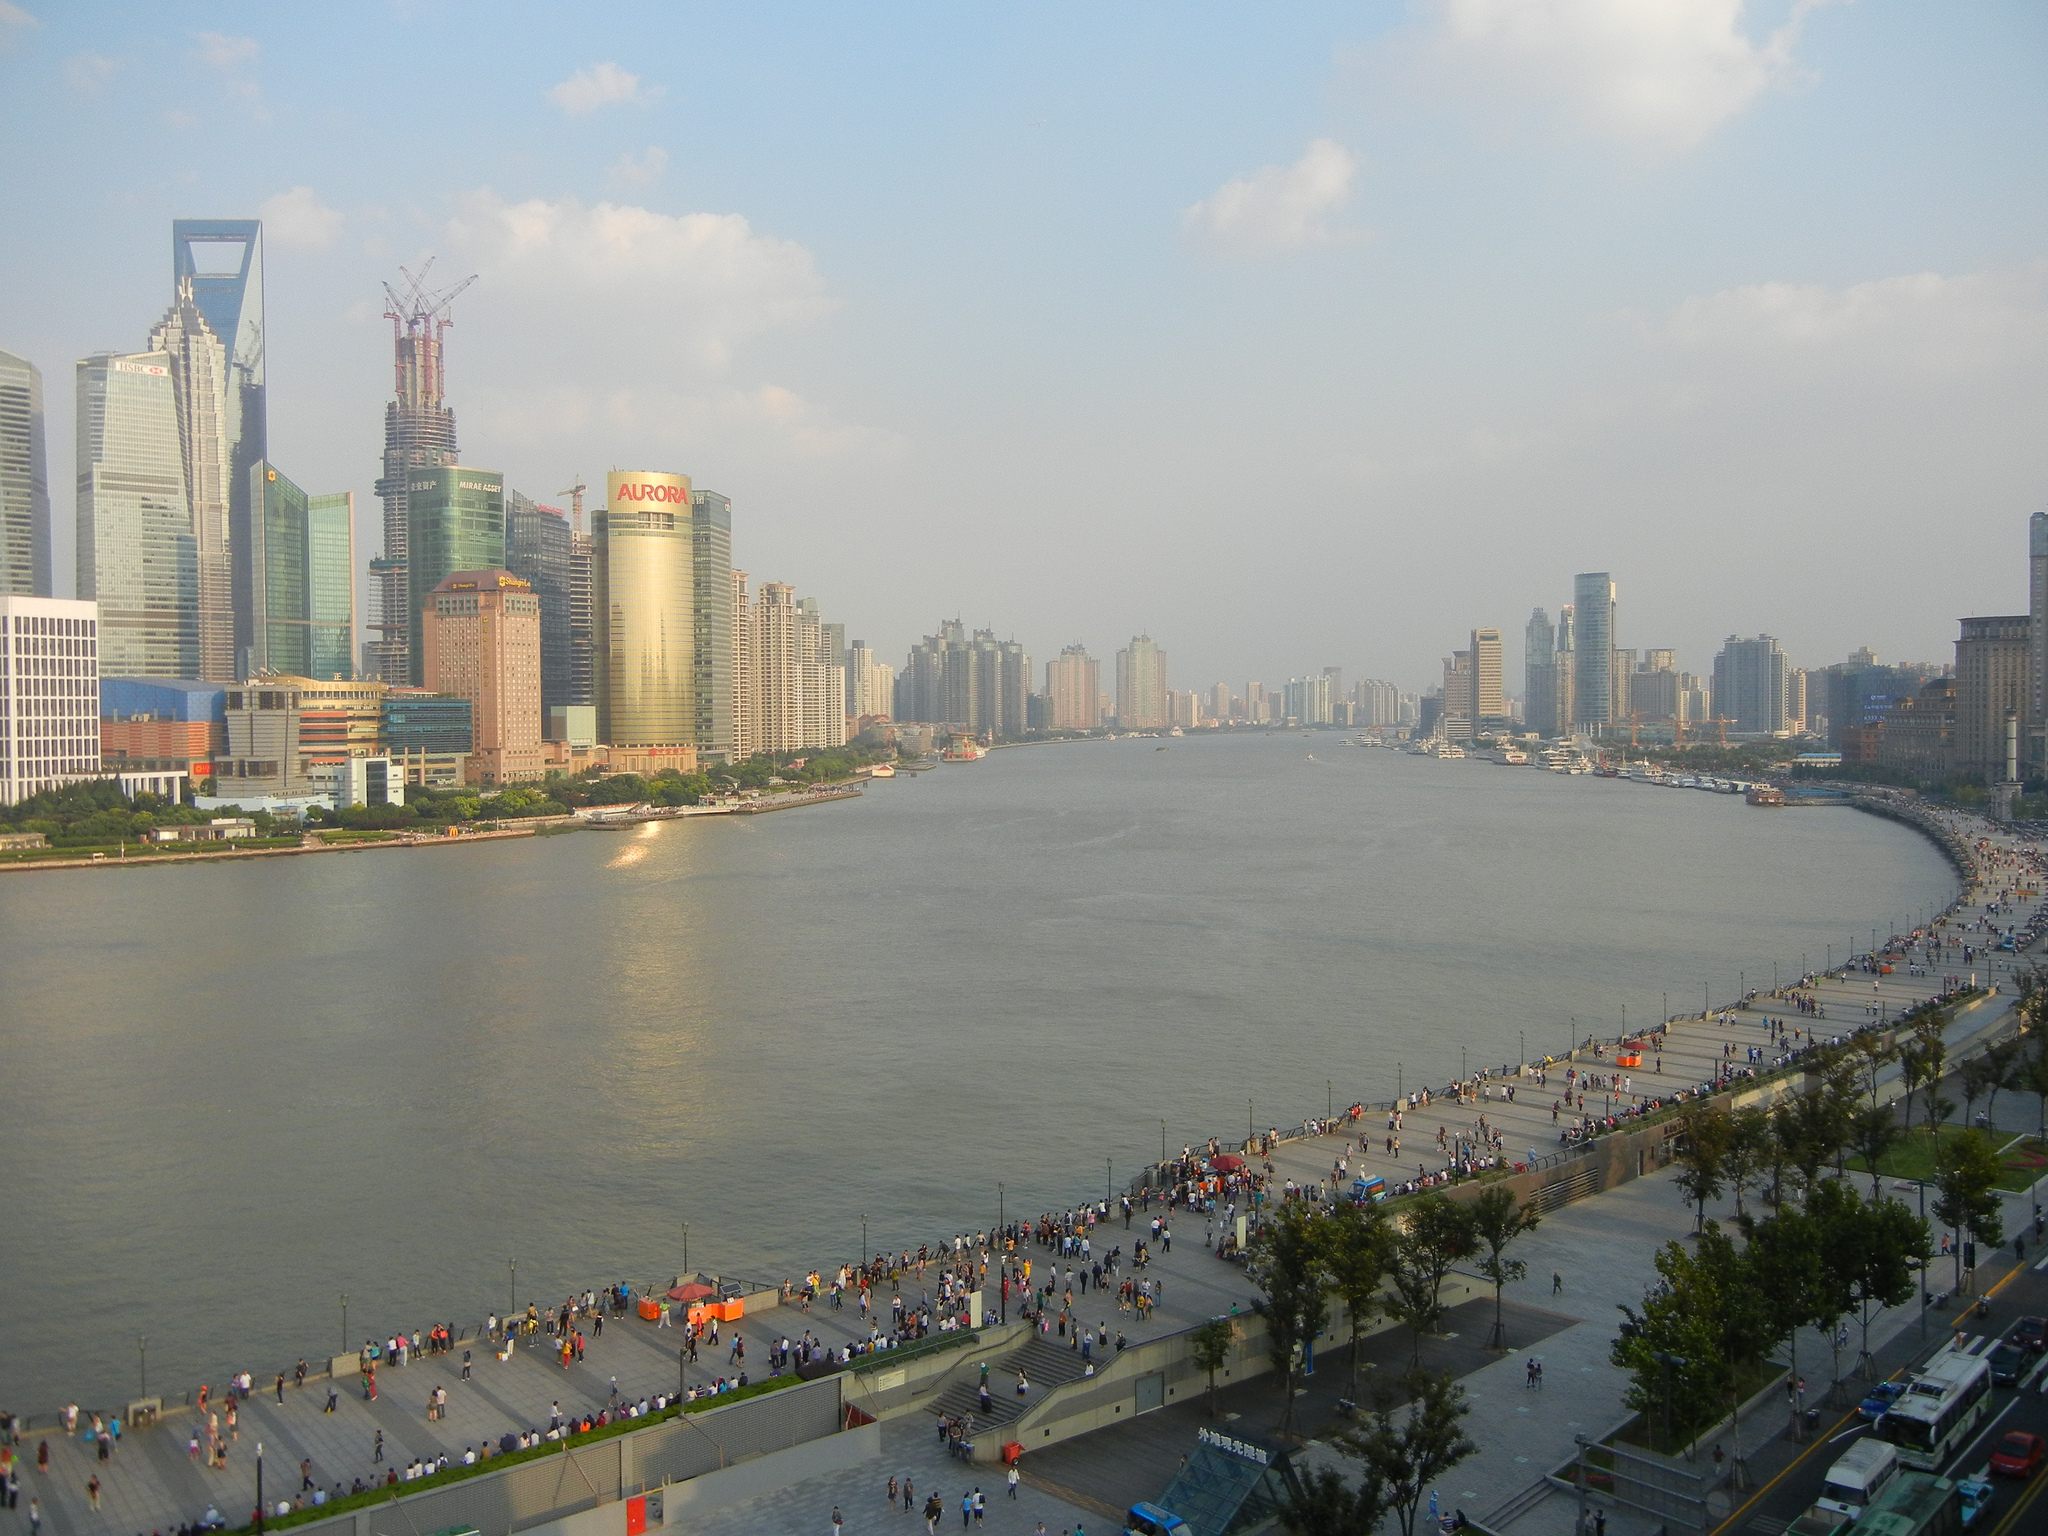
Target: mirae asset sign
(638,488)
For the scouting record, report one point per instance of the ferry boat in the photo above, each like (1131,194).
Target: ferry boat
(1765,794)
(882,771)
(1450,750)
(1510,757)
(963,749)
(1176,731)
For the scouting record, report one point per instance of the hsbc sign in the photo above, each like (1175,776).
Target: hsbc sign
(632,490)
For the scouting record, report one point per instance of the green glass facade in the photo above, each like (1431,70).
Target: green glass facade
(455,521)
(302,563)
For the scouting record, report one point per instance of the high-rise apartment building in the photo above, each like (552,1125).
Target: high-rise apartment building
(217,265)
(1379,702)
(2034,726)
(200,389)
(1219,703)
(1255,702)
(1074,683)
(1749,685)
(1456,723)
(419,433)
(778,672)
(136,554)
(870,683)
(1141,685)
(49,694)
(480,641)
(746,674)
(302,573)
(1593,651)
(1992,658)
(537,550)
(712,658)
(455,521)
(642,591)
(1310,700)
(1489,694)
(25,532)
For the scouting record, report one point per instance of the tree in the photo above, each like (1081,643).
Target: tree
(1702,1150)
(1966,1172)
(1497,1220)
(1873,1133)
(1286,1263)
(1407,1454)
(1210,1346)
(1437,1232)
(1873,1049)
(2003,1057)
(2032,1072)
(1786,1258)
(1326,1505)
(1357,1247)
(1974,1079)
(1746,1150)
(1880,1249)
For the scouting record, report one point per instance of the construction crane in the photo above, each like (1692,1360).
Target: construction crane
(1720,723)
(575,495)
(418,315)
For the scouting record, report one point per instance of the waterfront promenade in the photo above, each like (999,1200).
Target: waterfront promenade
(1601,1247)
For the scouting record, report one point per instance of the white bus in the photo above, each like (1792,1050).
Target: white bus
(1943,1404)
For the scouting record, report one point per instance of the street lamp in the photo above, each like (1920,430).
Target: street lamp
(682,1360)
(863,1239)
(1247,1125)
(1667,1007)
(1002,1214)
(512,1268)
(1329,1099)
(1522,1045)
(1162,1143)
(1624,1021)
(142,1349)
(259,1485)
(1108,1183)
(344,1322)
(686,1249)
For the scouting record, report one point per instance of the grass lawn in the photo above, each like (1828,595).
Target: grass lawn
(2022,1157)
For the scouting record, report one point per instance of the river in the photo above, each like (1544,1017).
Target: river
(230,1093)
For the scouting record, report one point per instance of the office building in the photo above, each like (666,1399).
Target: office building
(419,434)
(1749,685)
(455,521)
(1455,722)
(217,268)
(481,642)
(1489,695)
(49,694)
(1593,651)
(1539,674)
(162,724)
(1992,658)
(1795,700)
(286,735)
(1141,685)
(582,619)
(199,389)
(642,590)
(712,661)
(2035,725)
(538,543)
(25,532)
(302,572)
(1917,733)
(136,554)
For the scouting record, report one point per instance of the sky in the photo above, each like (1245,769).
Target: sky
(1294,336)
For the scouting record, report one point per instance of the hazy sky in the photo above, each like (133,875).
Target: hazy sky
(1296,335)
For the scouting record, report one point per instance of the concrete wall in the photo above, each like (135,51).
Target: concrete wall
(893,1389)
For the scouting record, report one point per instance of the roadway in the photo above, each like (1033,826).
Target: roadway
(2015,1507)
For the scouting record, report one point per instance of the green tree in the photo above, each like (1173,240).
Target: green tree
(1702,1157)
(1357,1248)
(1746,1153)
(1788,1261)
(1974,1079)
(1326,1505)
(2003,1060)
(1209,1344)
(1879,1249)
(1497,1220)
(1873,1048)
(1406,1452)
(1436,1233)
(1286,1263)
(2031,1074)
(1966,1174)
(1873,1133)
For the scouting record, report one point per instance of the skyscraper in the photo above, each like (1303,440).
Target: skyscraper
(778,688)
(25,562)
(1593,684)
(302,568)
(201,388)
(136,556)
(537,550)
(49,694)
(1456,723)
(2034,727)
(746,674)
(1539,675)
(582,617)
(220,263)
(419,433)
(455,521)
(641,595)
(712,659)
(1141,685)
(1992,657)
(1749,685)
(481,641)
(1489,695)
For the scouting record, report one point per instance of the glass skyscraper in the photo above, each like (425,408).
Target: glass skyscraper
(455,521)
(25,569)
(1593,657)
(641,597)
(537,540)
(712,658)
(136,555)
(303,563)
(200,386)
(222,259)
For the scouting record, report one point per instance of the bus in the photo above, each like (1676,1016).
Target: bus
(1943,1404)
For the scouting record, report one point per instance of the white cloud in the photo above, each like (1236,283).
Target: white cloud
(88,72)
(1662,74)
(1278,207)
(599,85)
(642,169)
(224,51)
(12,15)
(298,218)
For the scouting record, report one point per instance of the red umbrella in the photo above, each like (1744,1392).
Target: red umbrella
(696,1290)
(1226,1162)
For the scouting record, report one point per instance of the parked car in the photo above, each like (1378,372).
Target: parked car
(1881,1397)
(2018,1454)
(2031,1333)
(2008,1363)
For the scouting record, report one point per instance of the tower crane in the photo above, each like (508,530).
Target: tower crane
(575,495)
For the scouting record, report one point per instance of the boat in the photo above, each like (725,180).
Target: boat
(1450,750)
(1765,794)
(882,771)
(1176,731)
(963,749)
(1510,757)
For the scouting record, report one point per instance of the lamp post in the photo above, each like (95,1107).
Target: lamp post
(686,1249)
(1706,1003)
(1522,1046)
(1461,1063)
(1573,1044)
(512,1269)
(863,1239)
(1400,1082)
(1162,1144)
(259,1486)
(142,1349)
(1667,1007)
(1247,1125)
(1002,1213)
(1329,1099)
(682,1361)
(344,1322)
(1831,957)
(1624,1021)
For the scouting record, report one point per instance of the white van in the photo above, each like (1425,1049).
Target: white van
(1862,1473)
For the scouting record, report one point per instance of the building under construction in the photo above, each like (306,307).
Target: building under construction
(419,432)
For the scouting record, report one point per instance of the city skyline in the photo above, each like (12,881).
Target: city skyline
(1380,364)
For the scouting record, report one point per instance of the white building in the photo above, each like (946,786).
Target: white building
(49,694)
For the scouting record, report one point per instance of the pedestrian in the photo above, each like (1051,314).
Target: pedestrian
(838,1521)
(908,1495)
(299,1376)
(305,1474)
(1599,1522)
(332,1396)
(980,1507)
(966,1510)
(35,1517)
(92,1490)
(1013,1477)
(377,1453)
(1556,1282)
(280,1389)
(465,1365)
